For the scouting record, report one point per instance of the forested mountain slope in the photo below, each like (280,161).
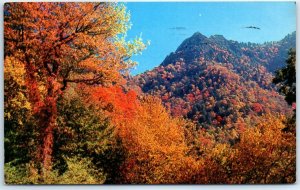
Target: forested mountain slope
(217,82)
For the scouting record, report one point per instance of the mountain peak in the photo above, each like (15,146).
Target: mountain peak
(197,39)
(218,48)
(198,35)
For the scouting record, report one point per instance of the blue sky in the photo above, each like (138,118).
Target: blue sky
(166,25)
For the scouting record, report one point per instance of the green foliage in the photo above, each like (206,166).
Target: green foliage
(19,125)
(286,78)
(85,132)
(17,174)
(79,171)
(20,142)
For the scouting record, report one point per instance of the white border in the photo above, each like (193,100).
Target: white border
(127,187)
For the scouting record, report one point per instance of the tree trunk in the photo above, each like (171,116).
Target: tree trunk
(33,90)
(49,116)
(37,104)
(45,111)
(50,125)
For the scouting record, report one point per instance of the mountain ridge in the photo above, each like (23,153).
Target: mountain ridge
(199,43)
(216,82)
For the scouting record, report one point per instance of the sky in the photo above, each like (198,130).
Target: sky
(167,24)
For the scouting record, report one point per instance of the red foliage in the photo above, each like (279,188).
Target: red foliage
(219,118)
(257,107)
(119,104)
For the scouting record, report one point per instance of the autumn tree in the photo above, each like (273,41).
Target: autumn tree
(286,78)
(85,132)
(18,118)
(157,152)
(63,43)
(264,154)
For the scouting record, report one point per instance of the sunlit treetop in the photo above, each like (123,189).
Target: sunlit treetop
(75,42)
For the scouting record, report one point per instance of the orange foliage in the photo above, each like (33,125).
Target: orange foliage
(257,107)
(264,154)
(154,142)
(156,146)
(61,43)
(119,105)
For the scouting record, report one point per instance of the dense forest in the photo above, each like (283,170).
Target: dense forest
(219,83)
(215,111)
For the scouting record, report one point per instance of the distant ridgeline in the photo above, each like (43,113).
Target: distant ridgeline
(218,82)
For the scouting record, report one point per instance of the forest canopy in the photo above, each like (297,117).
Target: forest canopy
(73,114)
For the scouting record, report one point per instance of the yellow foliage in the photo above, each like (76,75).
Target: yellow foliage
(15,91)
(264,154)
(156,146)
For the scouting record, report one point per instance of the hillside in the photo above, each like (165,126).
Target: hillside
(218,82)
